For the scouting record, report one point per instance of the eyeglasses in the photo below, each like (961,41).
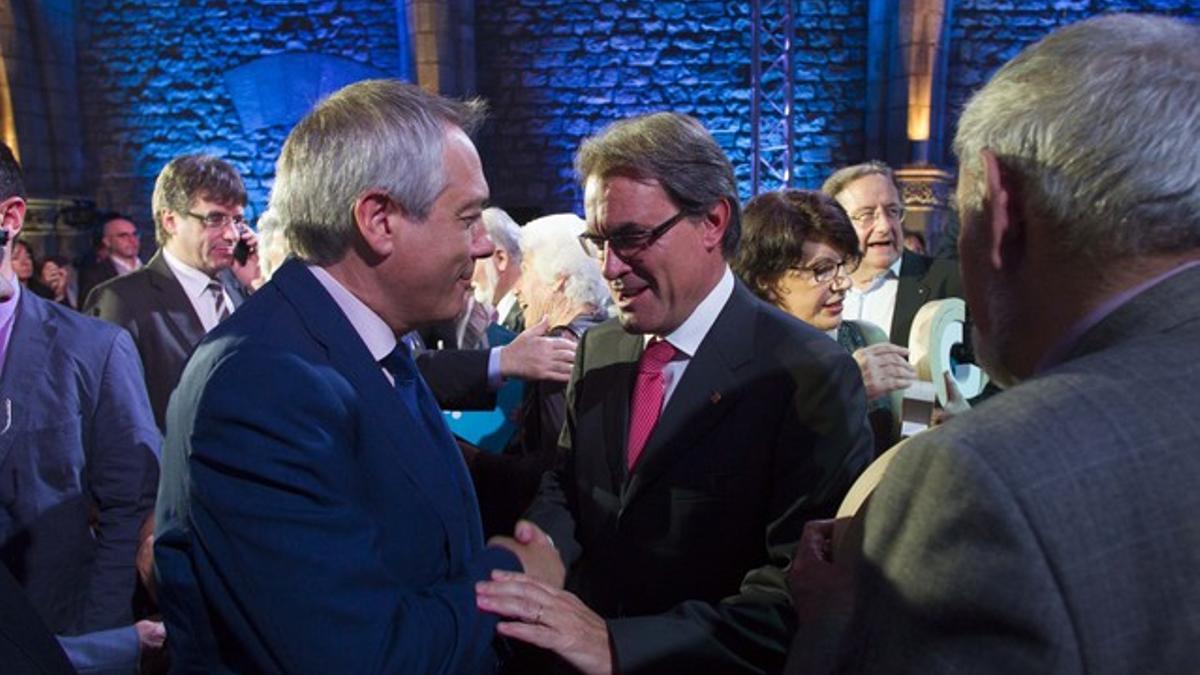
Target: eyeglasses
(630,243)
(866,217)
(825,271)
(218,220)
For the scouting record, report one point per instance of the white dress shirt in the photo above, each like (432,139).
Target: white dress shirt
(687,338)
(195,287)
(877,302)
(371,329)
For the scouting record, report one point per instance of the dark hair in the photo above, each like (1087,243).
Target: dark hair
(776,226)
(675,150)
(12,182)
(190,177)
(60,260)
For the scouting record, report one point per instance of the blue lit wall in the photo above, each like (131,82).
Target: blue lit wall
(161,79)
(158,78)
(986,33)
(557,71)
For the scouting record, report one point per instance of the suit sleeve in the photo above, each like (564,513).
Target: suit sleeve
(122,469)
(952,577)
(284,514)
(458,378)
(821,446)
(555,501)
(104,303)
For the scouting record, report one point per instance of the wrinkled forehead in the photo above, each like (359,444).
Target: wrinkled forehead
(869,191)
(617,201)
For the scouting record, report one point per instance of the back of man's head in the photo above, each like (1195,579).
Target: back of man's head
(675,150)
(190,177)
(504,232)
(1099,124)
(374,134)
(12,181)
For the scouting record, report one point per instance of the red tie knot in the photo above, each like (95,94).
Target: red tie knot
(657,355)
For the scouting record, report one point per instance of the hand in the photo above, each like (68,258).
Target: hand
(249,274)
(885,368)
(549,618)
(955,403)
(533,356)
(151,634)
(536,551)
(818,583)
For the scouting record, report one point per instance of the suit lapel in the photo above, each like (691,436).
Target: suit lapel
(432,473)
(703,396)
(174,303)
(911,293)
(24,367)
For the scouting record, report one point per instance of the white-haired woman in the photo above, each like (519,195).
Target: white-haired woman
(562,285)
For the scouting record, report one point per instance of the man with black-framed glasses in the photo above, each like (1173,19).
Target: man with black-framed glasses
(703,429)
(169,304)
(892,283)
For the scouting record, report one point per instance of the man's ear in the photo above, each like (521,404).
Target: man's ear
(1005,219)
(715,222)
(501,260)
(12,215)
(372,216)
(169,223)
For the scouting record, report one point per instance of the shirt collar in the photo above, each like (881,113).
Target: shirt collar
(195,283)
(505,304)
(691,332)
(892,272)
(371,329)
(1067,342)
(9,307)
(123,268)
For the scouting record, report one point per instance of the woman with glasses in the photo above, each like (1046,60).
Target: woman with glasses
(797,252)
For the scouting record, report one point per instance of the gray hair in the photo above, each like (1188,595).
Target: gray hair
(1099,123)
(675,150)
(551,244)
(273,246)
(374,134)
(846,175)
(504,232)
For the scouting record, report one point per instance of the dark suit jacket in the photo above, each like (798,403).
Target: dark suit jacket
(921,280)
(1052,529)
(307,521)
(94,275)
(458,377)
(79,437)
(151,304)
(26,645)
(507,482)
(766,429)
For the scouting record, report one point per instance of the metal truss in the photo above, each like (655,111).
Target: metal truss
(771,105)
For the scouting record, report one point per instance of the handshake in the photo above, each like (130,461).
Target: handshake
(534,608)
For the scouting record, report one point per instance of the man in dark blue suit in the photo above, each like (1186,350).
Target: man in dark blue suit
(315,515)
(78,453)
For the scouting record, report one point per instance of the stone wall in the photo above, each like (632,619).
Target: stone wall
(153,73)
(986,33)
(556,71)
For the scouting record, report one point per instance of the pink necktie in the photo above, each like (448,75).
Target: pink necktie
(647,396)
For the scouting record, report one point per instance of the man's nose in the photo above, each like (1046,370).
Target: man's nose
(612,266)
(481,244)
